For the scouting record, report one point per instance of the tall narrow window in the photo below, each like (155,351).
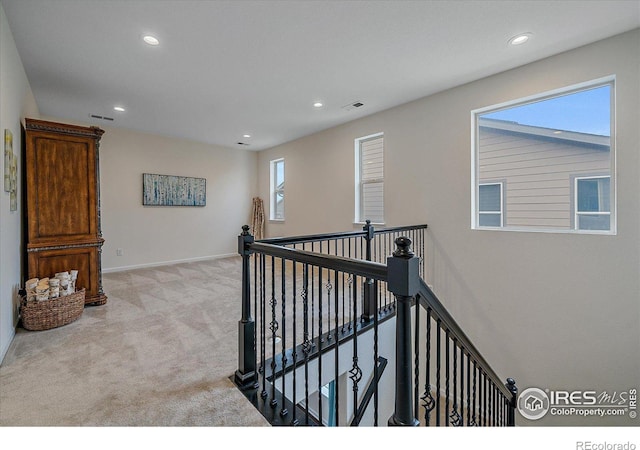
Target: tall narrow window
(370,179)
(593,209)
(277,190)
(490,205)
(554,154)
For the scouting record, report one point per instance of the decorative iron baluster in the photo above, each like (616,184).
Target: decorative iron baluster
(294,351)
(473,422)
(283,411)
(438,364)
(427,398)
(355,374)
(263,324)
(329,288)
(454,416)
(461,412)
(375,364)
(320,340)
(351,316)
(416,362)
(273,326)
(469,391)
(337,349)
(306,345)
(446,397)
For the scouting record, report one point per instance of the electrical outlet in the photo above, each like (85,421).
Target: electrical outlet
(119,252)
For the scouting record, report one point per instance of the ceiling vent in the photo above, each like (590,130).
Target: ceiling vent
(95,116)
(353,105)
(243,143)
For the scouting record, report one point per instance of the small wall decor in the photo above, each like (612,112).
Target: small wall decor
(172,190)
(10,170)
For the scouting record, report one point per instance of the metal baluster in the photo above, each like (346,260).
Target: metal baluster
(468,390)
(263,323)
(355,374)
(306,346)
(455,416)
(320,342)
(343,309)
(427,398)
(283,411)
(461,412)
(337,349)
(473,421)
(375,362)
(484,398)
(294,351)
(438,364)
(446,398)
(273,326)
(416,362)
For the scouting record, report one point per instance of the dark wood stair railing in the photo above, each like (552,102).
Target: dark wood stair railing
(343,301)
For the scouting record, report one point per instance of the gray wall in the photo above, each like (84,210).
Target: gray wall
(558,311)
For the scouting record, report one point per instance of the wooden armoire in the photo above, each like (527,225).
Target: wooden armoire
(62,185)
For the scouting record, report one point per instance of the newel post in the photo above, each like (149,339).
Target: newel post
(404,282)
(513,401)
(369,289)
(246,374)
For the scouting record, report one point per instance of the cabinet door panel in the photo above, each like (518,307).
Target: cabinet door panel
(46,263)
(62,190)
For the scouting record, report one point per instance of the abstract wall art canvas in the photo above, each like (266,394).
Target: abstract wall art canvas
(172,190)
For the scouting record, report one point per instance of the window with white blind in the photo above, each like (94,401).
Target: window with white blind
(370,179)
(277,190)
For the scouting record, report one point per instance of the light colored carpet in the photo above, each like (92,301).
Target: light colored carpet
(159,353)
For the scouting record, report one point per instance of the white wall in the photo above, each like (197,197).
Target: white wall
(558,311)
(154,235)
(16,102)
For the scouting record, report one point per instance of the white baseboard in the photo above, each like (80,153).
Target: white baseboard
(166,263)
(5,347)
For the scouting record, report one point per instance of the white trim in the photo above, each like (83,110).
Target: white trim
(273,191)
(358,176)
(5,350)
(168,263)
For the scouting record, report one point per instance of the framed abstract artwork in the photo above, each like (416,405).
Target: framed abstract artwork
(173,190)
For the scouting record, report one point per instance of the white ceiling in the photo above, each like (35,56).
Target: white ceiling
(228,68)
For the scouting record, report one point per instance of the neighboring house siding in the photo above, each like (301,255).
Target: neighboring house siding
(538,174)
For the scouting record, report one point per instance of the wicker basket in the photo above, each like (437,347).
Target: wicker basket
(38,316)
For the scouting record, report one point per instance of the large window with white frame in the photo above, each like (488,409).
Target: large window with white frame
(546,149)
(277,189)
(369,198)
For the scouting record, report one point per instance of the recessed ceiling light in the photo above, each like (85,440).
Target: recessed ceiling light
(317,105)
(151,40)
(520,39)
(118,108)
(246,135)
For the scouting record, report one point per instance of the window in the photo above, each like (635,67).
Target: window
(592,202)
(370,179)
(546,162)
(490,205)
(277,190)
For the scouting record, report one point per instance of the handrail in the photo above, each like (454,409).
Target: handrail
(368,269)
(339,235)
(427,299)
